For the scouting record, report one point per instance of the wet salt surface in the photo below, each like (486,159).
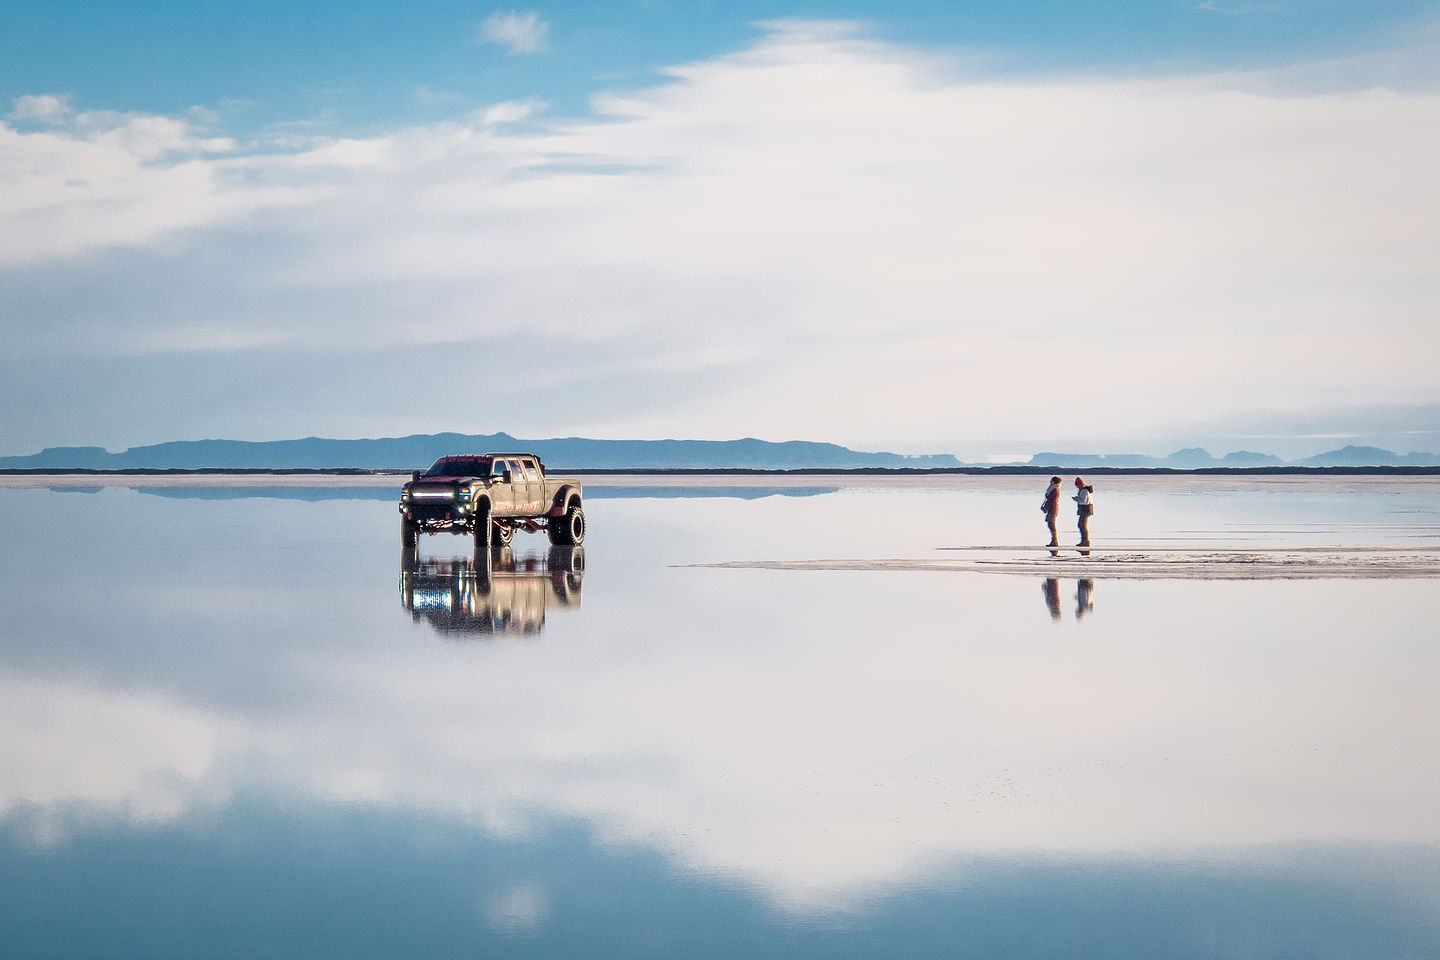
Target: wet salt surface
(235,721)
(1185,563)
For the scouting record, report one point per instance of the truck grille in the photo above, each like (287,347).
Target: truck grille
(432,511)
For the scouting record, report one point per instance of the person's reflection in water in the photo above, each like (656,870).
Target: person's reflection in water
(1084,597)
(1084,589)
(1051,587)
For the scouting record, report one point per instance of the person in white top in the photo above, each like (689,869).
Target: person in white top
(1084,507)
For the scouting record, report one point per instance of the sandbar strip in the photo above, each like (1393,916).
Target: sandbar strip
(1213,566)
(1150,550)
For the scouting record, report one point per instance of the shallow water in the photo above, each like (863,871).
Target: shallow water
(236,721)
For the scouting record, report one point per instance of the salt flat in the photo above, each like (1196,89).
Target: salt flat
(1353,542)
(804,702)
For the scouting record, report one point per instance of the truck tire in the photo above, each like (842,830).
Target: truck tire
(409,534)
(568,530)
(484,529)
(500,535)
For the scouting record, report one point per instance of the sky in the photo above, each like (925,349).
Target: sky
(985,228)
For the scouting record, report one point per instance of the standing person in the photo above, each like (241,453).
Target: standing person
(1084,507)
(1051,509)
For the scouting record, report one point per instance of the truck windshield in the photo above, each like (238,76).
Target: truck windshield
(459,467)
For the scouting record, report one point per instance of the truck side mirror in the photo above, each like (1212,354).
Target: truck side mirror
(507,476)
(414,475)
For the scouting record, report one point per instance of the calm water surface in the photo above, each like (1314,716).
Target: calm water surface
(238,722)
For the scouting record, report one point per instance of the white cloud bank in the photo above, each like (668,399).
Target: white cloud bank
(820,236)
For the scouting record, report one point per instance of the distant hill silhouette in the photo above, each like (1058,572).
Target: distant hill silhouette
(419,451)
(1369,456)
(1194,458)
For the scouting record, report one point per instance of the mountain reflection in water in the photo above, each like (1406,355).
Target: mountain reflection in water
(389,491)
(492,592)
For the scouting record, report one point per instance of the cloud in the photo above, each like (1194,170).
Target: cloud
(101,179)
(1238,8)
(430,97)
(816,216)
(511,111)
(42,108)
(518,32)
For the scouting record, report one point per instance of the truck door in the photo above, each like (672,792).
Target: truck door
(502,495)
(535,487)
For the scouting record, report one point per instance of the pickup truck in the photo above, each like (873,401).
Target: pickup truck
(490,496)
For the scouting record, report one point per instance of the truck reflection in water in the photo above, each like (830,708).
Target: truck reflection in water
(492,592)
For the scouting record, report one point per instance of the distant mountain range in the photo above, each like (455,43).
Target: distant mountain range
(576,453)
(418,452)
(1195,458)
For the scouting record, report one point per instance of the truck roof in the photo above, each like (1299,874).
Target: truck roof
(484,456)
(472,464)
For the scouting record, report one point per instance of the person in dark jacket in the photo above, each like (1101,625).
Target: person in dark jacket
(1084,507)
(1051,509)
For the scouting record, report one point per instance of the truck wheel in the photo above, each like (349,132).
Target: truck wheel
(484,529)
(500,535)
(568,530)
(409,533)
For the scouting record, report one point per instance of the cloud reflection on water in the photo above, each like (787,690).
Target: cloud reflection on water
(357,883)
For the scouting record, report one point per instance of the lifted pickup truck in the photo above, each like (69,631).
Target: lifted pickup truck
(490,496)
